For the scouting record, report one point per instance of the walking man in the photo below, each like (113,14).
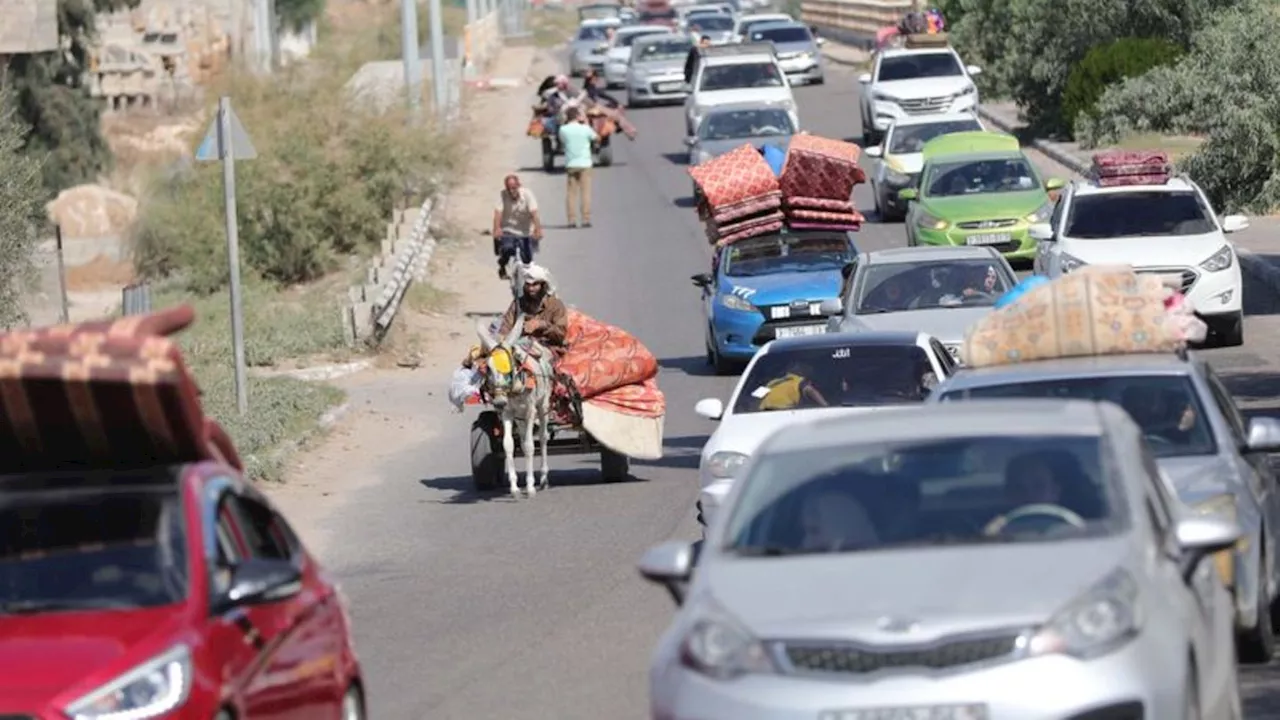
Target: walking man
(576,137)
(516,225)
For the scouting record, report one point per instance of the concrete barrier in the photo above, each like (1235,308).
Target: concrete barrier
(855,22)
(405,257)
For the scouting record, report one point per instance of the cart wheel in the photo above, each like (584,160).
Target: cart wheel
(605,156)
(548,155)
(615,467)
(488,460)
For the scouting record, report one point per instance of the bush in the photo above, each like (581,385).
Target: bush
(21,209)
(1109,64)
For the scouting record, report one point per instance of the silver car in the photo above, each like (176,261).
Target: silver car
(937,290)
(588,48)
(729,126)
(716,26)
(1215,459)
(998,561)
(797,48)
(656,72)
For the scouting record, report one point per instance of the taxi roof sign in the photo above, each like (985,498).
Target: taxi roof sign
(970,142)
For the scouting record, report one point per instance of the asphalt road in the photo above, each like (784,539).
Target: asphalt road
(483,607)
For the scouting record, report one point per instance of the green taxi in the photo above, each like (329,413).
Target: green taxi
(978,188)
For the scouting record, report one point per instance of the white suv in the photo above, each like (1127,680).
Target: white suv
(911,82)
(1168,229)
(732,74)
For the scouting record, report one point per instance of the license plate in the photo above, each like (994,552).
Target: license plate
(780,312)
(669,87)
(800,331)
(920,712)
(989,239)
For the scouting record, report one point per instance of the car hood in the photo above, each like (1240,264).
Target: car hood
(848,596)
(661,67)
(1199,477)
(778,95)
(922,87)
(46,654)
(1187,250)
(743,433)
(584,47)
(907,163)
(986,206)
(783,287)
(946,324)
(719,147)
(619,55)
(795,47)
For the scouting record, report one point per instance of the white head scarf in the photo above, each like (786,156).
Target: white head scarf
(537,273)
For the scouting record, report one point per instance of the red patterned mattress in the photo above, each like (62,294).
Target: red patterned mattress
(610,366)
(755,231)
(818,167)
(824,216)
(809,203)
(739,175)
(715,232)
(104,394)
(1130,167)
(741,210)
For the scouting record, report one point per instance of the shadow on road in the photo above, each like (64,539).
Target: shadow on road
(677,158)
(677,461)
(685,441)
(464,492)
(1258,298)
(685,202)
(694,366)
(538,168)
(1260,391)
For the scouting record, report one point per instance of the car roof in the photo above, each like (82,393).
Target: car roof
(777,25)
(599,22)
(1174,184)
(1067,368)
(656,38)
(973,418)
(971,142)
(912,120)
(901,52)
(763,17)
(643,30)
(746,105)
(850,339)
(940,253)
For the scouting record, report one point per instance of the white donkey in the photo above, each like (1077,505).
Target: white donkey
(518,381)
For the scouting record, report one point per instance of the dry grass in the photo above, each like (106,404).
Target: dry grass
(1176,145)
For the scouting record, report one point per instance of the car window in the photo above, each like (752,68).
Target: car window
(1166,407)
(740,75)
(265,537)
(944,357)
(713,22)
(629,39)
(782,35)
(908,139)
(665,50)
(68,545)
(593,32)
(956,491)
(772,254)
(647,17)
(1138,214)
(927,285)
(735,124)
(1227,406)
(924,65)
(856,375)
(974,177)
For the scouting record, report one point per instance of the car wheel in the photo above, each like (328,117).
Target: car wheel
(718,363)
(631,101)
(875,193)
(1230,330)
(353,704)
(1256,645)
(820,80)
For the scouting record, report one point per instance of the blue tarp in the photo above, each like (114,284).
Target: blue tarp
(775,156)
(1021,289)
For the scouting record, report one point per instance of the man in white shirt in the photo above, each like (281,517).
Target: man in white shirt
(516,224)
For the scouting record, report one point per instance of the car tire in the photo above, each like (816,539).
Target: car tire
(719,365)
(631,101)
(1257,645)
(875,194)
(353,707)
(1230,330)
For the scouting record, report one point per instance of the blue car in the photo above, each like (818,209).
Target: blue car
(769,287)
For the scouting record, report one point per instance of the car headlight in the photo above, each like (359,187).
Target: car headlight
(968,90)
(1224,561)
(931,222)
(151,690)
(1070,262)
(721,648)
(734,302)
(879,97)
(1041,214)
(1220,260)
(1107,616)
(725,464)
(897,179)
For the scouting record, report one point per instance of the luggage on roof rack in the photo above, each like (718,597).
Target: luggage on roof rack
(925,40)
(1130,167)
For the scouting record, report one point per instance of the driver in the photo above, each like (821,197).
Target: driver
(546,319)
(833,519)
(792,389)
(1051,477)
(982,284)
(891,294)
(1156,411)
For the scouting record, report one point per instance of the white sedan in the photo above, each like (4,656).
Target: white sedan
(805,378)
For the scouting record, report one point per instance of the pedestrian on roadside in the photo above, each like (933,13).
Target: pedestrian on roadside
(695,55)
(517,228)
(577,139)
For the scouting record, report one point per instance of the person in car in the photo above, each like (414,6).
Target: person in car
(792,390)
(889,296)
(833,519)
(1161,414)
(979,285)
(1051,477)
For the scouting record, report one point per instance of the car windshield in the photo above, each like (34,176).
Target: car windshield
(665,50)
(740,75)
(1166,407)
(857,496)
(1135,214)
(628,39)
(592,32)
(746,26)
(782,35)
(746,123)
(907,139)
(785,253)
(67,549)
(599,12)
(652,15)
(711,22)
(900,287)
(923,65)
(975,177)
(832,375)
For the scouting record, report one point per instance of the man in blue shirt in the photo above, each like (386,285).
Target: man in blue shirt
(576,137)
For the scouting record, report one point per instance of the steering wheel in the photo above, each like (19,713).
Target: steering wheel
(1049,511)
(1155,439)
(769,130)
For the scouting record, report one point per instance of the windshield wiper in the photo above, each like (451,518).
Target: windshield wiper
(30,607)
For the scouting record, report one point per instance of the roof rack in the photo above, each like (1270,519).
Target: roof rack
(918,41)
(731,50)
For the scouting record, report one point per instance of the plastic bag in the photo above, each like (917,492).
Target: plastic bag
(1185,322)
(464,384)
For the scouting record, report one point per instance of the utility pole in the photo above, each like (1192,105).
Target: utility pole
(412,63)
(439,73)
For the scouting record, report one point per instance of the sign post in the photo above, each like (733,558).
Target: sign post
(227,141)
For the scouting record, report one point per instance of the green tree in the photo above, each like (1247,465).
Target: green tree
(1108,64)
(21,208)
(53,99)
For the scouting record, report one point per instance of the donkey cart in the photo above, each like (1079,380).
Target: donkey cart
(488,459)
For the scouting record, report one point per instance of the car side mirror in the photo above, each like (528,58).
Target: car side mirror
(820,41)
(1234,223)
(1042,232)
(1202,536)
(691,141)
(973,70)
(1264,435)
(709,408)
(864,79)
(908,194)
(256,581)
(701,280)
(831,306)
(669,565)
(1054,184)
(873,151)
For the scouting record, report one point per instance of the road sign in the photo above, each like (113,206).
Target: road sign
(241,146)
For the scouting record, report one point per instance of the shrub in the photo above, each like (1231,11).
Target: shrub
(1108,64)
(21,207)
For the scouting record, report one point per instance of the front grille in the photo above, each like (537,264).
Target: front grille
(656,84)
(858,660)
(1189,276)
(925,106)
(794,310)
(988,224)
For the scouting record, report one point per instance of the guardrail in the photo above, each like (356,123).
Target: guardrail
(135,299)
(405,259)
(855,22)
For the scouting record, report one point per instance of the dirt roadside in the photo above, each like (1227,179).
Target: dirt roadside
(384,416)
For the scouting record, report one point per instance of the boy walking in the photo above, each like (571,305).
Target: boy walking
(576,137)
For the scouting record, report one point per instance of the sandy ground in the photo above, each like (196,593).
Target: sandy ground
(381,418)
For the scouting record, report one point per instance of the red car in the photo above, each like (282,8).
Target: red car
(140,576)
